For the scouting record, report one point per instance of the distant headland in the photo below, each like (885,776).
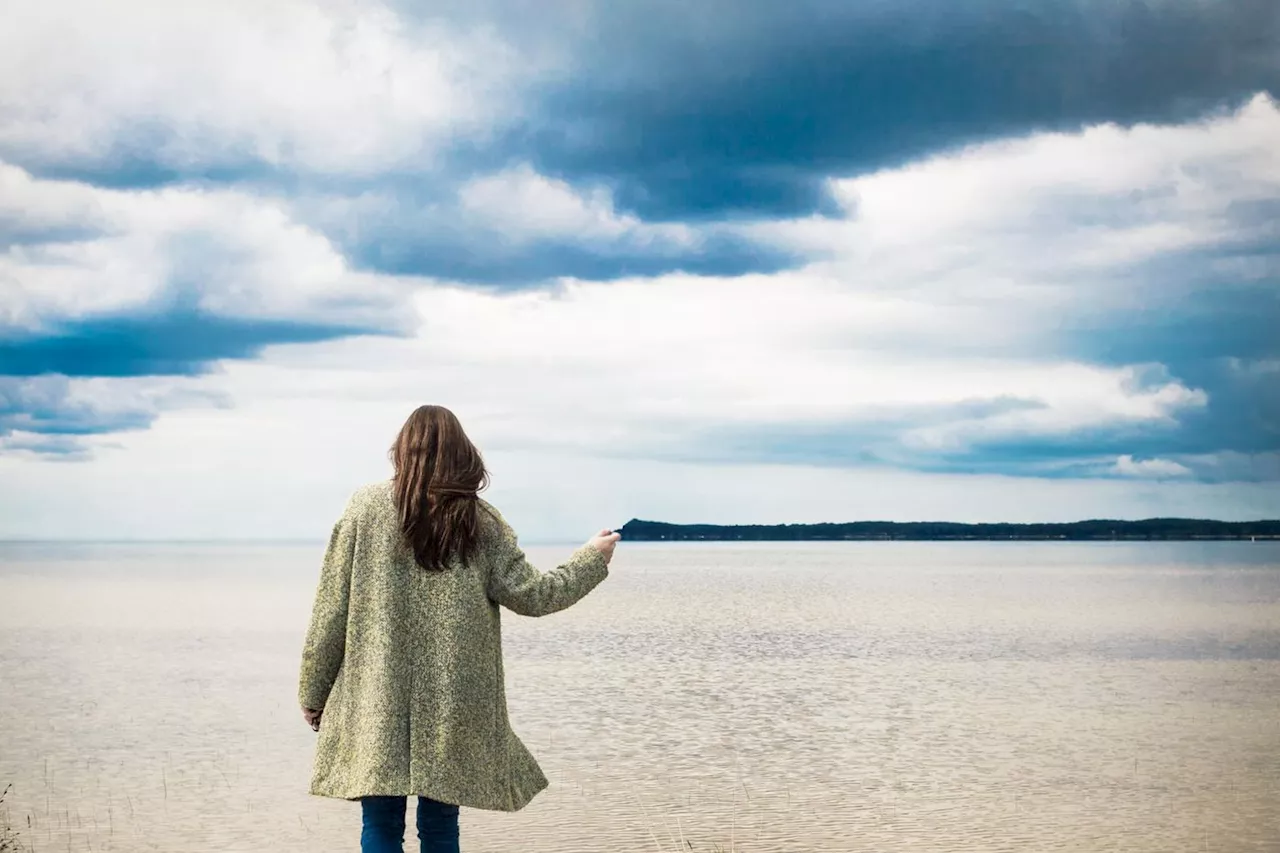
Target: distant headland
(1175,529)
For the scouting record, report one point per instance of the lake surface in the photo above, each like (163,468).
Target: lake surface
(765,697)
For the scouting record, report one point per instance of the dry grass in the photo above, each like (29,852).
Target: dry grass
(8,837)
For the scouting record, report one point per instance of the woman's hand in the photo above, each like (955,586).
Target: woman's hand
(604,542)
(312,716)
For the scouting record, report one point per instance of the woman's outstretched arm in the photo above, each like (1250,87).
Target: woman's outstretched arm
(520,587)
(327,637)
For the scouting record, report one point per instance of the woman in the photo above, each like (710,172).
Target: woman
(402,666)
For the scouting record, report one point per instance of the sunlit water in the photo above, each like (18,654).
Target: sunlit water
(762,697)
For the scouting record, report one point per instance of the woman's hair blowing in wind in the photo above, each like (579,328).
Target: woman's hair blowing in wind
(438,474)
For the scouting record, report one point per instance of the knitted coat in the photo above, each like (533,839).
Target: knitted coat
(407,663)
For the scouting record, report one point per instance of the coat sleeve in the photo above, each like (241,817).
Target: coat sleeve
(520,587)
(326,639)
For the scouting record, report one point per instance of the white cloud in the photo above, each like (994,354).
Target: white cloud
(650,366)
(526,206)
(331,87)
(1071,397)
(1143,176)
(494,220)
(51,414)
(232,253)
(33,209)
(1127,466)
(1052,219)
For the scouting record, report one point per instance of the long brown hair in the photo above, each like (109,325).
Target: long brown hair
(438,473)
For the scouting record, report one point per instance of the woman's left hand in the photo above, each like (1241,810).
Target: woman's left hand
(312,717)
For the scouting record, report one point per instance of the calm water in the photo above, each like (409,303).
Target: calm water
(763,697)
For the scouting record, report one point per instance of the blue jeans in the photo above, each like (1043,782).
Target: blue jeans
(383,830)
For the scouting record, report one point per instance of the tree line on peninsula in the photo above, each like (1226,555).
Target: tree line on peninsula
(1179,529)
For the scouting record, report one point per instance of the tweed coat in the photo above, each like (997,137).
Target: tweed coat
(407,664)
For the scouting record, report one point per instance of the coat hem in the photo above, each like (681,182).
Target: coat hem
(431,793)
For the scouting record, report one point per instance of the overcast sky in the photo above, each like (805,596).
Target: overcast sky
(716,261)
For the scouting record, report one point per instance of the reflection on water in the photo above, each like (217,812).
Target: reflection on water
(762,697)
